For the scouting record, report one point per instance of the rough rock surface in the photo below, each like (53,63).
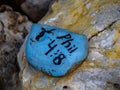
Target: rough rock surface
(99,21)
(13,29)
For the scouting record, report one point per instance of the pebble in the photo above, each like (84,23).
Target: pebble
(54,50)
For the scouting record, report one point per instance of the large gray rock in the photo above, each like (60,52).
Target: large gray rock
(36,9)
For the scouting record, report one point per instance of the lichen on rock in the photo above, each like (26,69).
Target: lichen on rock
(101,68)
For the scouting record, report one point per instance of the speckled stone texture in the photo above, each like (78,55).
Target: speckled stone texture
(99,20)
(13,29)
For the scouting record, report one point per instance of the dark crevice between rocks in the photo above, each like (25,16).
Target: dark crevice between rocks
(1,84)
(13,4)
(66,87)
(110,84)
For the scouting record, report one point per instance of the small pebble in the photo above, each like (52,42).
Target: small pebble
(55,50)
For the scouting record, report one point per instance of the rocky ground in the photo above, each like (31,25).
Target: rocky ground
(13,29)
(97,19)
(14,26)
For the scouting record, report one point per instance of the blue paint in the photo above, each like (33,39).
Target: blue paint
(55,50)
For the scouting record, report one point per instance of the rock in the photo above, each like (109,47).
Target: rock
(36,9)
(100,70)
(58,50)
(107,16)
(12,34)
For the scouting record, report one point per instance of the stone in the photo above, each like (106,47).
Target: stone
(36,9)
(107,16)
(12,35)
(55,50)
(101,68)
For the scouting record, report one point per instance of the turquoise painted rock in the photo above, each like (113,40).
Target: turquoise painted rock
(54,50)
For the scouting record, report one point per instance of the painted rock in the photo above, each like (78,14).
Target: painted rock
(54,50)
